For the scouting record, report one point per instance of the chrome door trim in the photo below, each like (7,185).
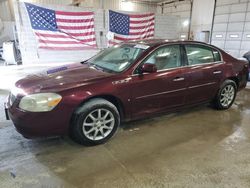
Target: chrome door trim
(217,72)
(202,85)
(162,93)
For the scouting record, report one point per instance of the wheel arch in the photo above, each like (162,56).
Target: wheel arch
(111,98)
(235,79)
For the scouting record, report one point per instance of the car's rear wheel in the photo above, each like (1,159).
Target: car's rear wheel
(226,95)
(95,122)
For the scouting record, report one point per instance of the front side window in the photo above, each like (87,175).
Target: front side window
(116,59)
(199,54)
(166,57)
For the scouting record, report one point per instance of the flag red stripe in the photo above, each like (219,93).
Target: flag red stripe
(66,42)
(112,43)
(74,13)
(142,27)
(74,20)
(142,32)
(76,27)
(141,21)
(66,36)
(141,15)
(136,38)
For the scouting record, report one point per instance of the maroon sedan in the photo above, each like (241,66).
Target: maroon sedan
(126,82)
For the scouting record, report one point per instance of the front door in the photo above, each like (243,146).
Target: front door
(165,89)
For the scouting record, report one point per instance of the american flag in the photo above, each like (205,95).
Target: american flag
(130,26)
(61,30)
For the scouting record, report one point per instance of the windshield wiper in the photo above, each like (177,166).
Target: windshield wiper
(97,67)
(84,62)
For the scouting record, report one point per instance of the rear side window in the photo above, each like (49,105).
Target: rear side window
(199,54)
(216,56)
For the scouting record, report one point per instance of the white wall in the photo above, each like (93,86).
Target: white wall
(6,16)
(5,12)
(202,15)
(7,33)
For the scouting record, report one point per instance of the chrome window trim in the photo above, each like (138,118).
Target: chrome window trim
(211,47)
(163,45)
(186,66)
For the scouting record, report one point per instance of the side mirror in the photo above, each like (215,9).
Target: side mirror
(149,68)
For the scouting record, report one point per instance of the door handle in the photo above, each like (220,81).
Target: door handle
(178,79)
(217,72)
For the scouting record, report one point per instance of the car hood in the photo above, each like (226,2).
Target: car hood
(61,78)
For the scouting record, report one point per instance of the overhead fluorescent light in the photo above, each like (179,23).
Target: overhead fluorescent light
(234,36)
(127,5)
(219,36)
(183,36)
(185,23)
(248,36)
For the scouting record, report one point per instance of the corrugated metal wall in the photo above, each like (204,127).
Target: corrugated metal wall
(166,27)
(5,12)
(231,30)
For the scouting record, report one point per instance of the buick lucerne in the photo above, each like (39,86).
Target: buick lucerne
(129,81)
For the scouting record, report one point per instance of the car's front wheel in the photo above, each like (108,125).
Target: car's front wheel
(95,122)
(226,95)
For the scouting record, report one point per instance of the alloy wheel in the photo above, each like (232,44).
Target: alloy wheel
(98,124)
(227,95)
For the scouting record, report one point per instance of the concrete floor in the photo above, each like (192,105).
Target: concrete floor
(196,148)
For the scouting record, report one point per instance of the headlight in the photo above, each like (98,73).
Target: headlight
(42,102)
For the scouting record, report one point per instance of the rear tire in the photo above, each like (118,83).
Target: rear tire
(95,122)
(226,95)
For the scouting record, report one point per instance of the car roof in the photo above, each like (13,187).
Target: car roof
(158,42)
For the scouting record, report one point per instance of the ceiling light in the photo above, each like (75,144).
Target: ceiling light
(185,23)
(127,5)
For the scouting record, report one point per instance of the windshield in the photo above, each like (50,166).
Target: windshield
(117,58)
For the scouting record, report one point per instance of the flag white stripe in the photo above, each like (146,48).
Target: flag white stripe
(142,24)
(58,32)
(66,45)
(66,39)
(74,24)
(142,19)
(74,17)
(77,31)
(119,41)
(135,36)
(141,30)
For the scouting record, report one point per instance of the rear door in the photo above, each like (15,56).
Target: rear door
(205,69)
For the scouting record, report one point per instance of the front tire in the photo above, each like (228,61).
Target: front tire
(226,95)
(95,122)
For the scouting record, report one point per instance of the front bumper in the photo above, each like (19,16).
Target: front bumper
(32,125)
